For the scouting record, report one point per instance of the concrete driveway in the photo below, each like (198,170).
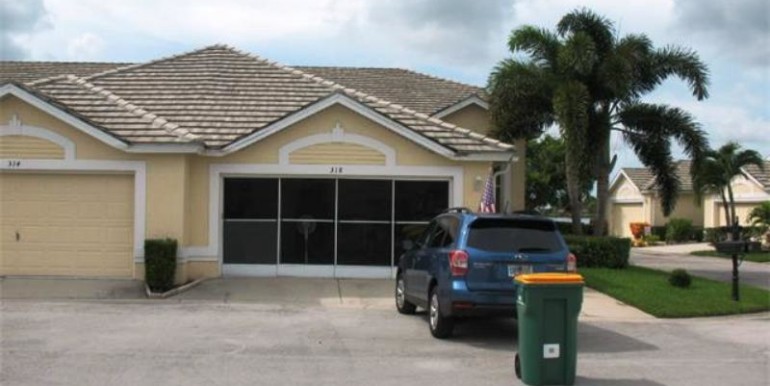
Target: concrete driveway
(668,258)
(346,332)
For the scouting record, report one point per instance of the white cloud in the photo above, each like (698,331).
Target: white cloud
(85,47)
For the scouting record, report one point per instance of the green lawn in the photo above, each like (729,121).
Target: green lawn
(758,257)
(649,291)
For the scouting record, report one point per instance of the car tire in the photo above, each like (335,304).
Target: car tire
(402,305)
(440,326)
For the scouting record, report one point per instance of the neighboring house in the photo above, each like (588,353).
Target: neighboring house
(749,191)
(633,198)
(254,167)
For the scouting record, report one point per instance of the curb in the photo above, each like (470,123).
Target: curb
(173,291)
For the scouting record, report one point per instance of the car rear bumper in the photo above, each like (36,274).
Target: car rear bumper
(464,302)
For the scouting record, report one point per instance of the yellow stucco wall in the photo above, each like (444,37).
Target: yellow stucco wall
(177,185)
(337,154)
(24,147)
(747,195)
(472,117)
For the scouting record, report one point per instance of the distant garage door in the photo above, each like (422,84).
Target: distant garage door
(66,225)
(622,216)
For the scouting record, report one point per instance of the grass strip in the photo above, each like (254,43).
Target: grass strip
(649,290)
(757,257)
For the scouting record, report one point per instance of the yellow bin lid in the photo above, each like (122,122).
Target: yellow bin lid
(550,278)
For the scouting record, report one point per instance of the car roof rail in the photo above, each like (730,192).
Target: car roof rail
(457,209)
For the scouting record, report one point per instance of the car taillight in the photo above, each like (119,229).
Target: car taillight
(571,263)
(458,262)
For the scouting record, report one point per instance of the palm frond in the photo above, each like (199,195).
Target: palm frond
(520,95)
(599,28)
(685,64)
(539,43)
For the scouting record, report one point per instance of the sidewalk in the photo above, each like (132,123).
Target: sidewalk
(670,257)
(374,294)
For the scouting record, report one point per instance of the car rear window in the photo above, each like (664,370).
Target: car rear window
(514,235)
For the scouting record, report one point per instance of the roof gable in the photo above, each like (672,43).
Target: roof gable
(218,96)
(761,177)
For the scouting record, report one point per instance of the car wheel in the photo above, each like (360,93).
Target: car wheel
(402,305)
(440,326)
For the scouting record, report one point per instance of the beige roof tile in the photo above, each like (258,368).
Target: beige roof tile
(217,95)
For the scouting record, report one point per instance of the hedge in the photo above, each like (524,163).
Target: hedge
(713,235)
(566,228)
(600,252)
(679,230)
(160,264)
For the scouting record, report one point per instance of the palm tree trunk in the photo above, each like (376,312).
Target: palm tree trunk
(734,218)
(573,191)
(726,206)
(602,183)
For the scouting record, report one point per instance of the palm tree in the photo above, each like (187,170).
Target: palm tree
(717,170)
(760,216)
(590,81)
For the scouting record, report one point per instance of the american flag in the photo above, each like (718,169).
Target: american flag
(487,204)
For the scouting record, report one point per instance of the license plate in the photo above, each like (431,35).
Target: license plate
(519,269)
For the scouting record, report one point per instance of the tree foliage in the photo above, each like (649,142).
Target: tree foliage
(717,170)
(546,186)
(589,81)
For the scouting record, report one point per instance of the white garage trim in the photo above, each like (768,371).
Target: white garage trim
(15,127)
(214,250)
(138,168)
(337,135)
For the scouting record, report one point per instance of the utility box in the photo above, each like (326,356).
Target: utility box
(548,305)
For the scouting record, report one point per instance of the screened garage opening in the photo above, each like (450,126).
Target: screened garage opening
(324,222)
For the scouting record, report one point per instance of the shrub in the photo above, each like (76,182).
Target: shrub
(600,252)
(160,264)
(659,230)
(714,235)
(566,228)
(651,239)
(678,230)
(680,278)
(637,229)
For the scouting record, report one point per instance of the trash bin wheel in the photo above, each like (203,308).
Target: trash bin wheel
(517,366)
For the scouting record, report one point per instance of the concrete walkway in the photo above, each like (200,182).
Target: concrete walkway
(670,257)
(327,293)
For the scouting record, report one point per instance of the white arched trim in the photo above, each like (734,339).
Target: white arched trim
(337,135)
(15,127)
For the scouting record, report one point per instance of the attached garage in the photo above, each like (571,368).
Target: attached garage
(324,226)
(624,214)
(67,224)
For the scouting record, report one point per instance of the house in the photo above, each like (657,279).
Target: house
(256,168)
(633,198)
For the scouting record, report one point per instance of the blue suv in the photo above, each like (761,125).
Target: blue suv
(464,264)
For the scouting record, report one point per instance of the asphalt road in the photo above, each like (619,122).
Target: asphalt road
(668,259)
(197,342)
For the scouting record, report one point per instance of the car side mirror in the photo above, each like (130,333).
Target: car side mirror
(407,245)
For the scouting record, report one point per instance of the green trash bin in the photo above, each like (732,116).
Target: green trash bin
(548,305)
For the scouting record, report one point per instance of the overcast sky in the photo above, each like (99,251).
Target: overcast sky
(456,39)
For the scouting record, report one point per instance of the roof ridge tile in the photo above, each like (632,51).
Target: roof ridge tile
(171,128)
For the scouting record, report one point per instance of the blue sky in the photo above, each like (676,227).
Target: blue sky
(456,39)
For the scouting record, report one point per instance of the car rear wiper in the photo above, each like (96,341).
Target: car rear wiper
(534,250)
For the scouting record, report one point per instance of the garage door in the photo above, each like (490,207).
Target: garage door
(622,216)
(66,225)
(325,222)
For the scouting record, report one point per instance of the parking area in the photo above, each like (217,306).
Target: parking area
(338,332)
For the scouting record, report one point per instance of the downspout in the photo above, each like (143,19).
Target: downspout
(501,173)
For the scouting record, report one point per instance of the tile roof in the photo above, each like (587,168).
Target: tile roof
(763,177)
(645,180)
(638,176)
(25,72)
(419,92)
(217,95)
